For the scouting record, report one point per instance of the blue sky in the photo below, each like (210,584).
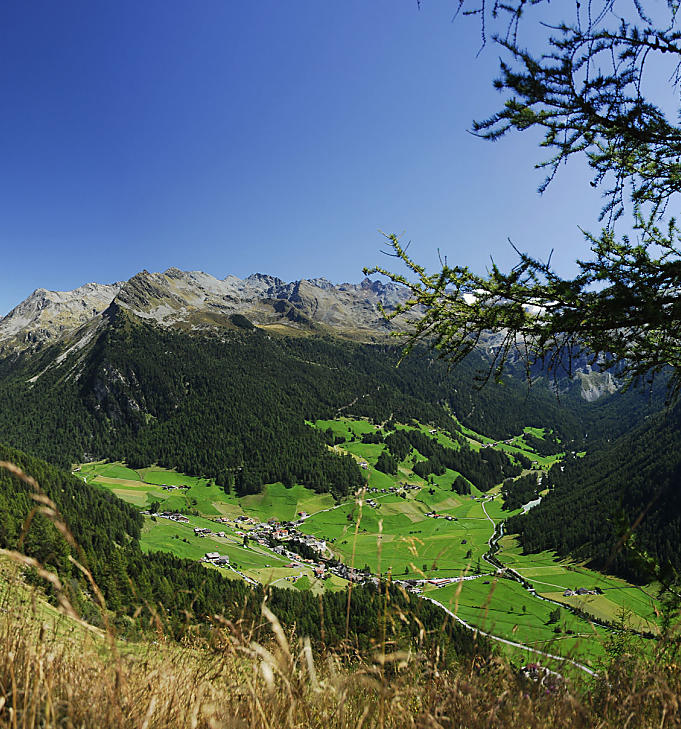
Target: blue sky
(279,137)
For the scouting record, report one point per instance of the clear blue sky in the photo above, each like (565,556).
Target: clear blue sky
(279,137)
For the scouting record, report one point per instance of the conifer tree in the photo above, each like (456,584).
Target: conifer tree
(585,92)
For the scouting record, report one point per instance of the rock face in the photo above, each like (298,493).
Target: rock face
(46,316)
(195,300)
(595,385)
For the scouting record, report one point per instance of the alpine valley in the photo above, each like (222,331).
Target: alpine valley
(211,441)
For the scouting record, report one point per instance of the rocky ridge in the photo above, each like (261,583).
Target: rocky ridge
(195,300)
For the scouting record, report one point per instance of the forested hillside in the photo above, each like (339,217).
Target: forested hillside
(633,483)
(232,405)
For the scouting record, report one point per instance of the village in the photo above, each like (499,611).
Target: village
(283,538)
(302,550)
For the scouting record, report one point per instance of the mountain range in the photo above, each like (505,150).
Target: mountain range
(194,300)
(197,301)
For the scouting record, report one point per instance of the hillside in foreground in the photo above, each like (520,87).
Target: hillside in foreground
(56,673)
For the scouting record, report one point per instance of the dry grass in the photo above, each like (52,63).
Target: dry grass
(56,673)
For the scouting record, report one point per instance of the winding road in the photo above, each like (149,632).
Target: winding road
(522,646)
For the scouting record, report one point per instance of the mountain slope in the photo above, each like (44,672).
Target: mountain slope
(232,404)
(47,316)
(632,483)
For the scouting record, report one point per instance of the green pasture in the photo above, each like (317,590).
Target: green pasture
(143,487)
(398,535)
(141,497)
(543,462)
(164,535)
(495,511)
(282,503)
(551,577)
(474,439)
(440,436)
(108,470)
(346,427)
(518,445)
(158,475)
(503,608)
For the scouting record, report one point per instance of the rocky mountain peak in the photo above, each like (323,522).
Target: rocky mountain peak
(46,315)
(197,300)
(263,279)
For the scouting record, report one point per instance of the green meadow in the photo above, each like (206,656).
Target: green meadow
(551,577)
(283,504)
(503,608)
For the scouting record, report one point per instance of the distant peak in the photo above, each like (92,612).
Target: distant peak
(173,272)
(322,283)
(264,278)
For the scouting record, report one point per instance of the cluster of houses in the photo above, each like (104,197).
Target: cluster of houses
(287,534)
(284,539)
(583,591)
(435,515)
(319,572)
(417,585)
(172,515)
(205,532)
(220,560)
(281,537)
(394,489)
(509,441)
(170,487)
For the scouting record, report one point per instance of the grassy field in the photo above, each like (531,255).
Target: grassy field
(393,535)
(399,535)
(55,673)
(502,607)
(550,577)
(284,504)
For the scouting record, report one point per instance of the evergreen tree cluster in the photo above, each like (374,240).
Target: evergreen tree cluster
(484,468)
(519,491)
(386,463)
(461,486)
(546,446)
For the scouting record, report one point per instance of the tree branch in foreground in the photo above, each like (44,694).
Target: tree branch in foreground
(622,310)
